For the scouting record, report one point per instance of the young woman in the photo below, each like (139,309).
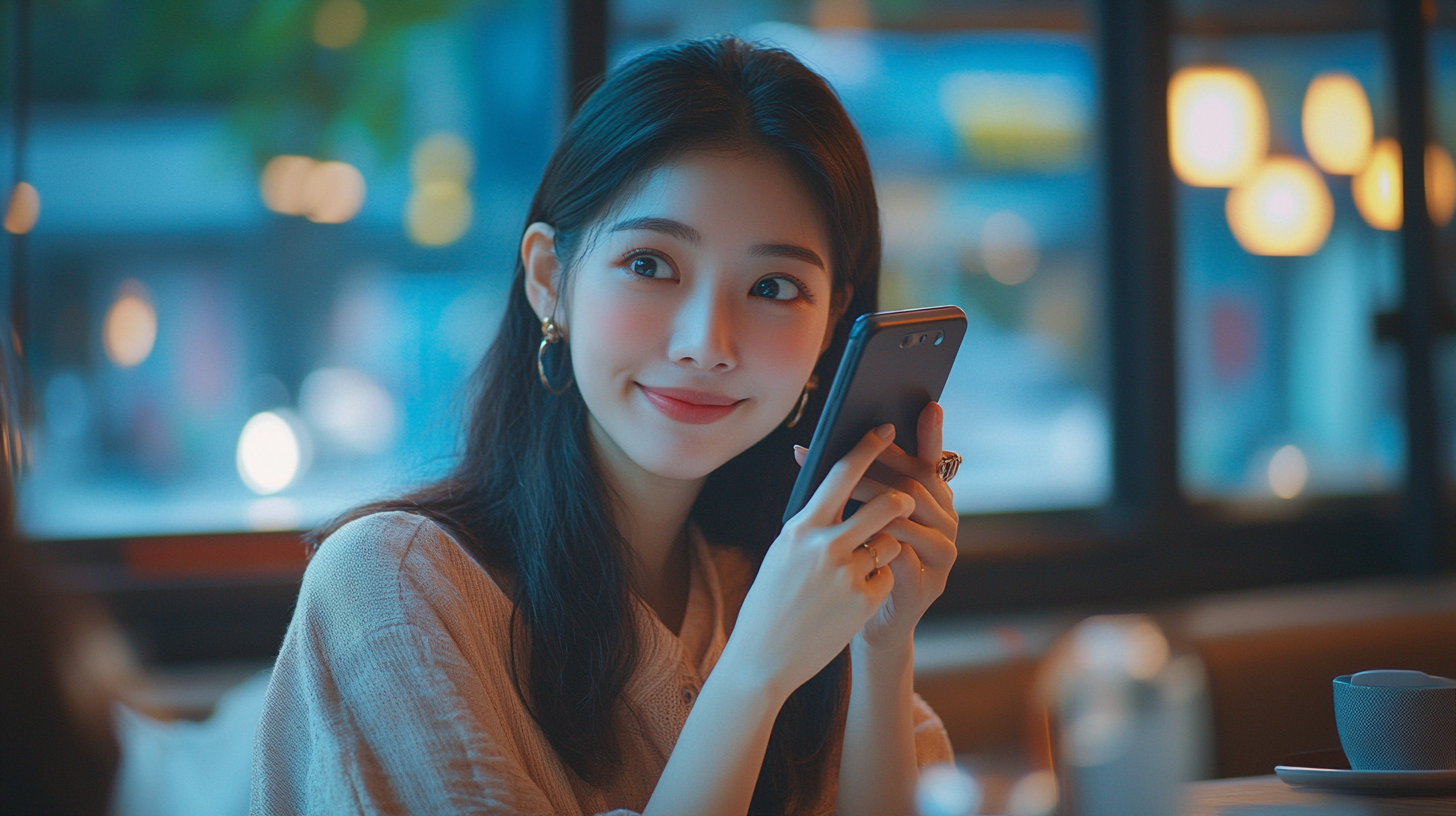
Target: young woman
(597,610)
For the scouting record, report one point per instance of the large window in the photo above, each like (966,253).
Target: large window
(273,241)
(1205,349)
(1288,200)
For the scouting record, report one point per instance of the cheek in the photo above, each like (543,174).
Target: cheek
(614,331)
(784,357)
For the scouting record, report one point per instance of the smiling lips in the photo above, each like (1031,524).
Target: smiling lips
(692,407)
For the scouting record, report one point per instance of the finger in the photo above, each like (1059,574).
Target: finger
(878,582)
(928,510)
(801,453)
(875,553)
(895,460)
(928,434)
(933,548)
(908,567)
(872,518)
(828,501)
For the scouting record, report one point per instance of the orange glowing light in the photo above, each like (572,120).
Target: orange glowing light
(1440,184)
(334,192)
(1285,208)
(24,209)
(1377,188)
(130,329)
(1338,128)
(1218,127)
(284,184)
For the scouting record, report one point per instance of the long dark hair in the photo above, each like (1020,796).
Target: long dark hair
(527,498)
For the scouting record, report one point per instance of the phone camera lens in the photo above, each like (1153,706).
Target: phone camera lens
(907,341)
(939,337)
(924,337)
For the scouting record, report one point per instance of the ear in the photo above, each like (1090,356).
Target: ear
(538,256)
(839,304)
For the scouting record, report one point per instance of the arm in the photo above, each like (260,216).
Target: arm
(878,769)
(814,590)
(716,761)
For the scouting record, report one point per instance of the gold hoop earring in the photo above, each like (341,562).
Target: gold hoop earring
(809,386)
(550,335)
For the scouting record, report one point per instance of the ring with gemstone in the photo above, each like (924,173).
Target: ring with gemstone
(949,463)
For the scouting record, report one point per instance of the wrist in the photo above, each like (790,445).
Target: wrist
(895,656)
(737,674)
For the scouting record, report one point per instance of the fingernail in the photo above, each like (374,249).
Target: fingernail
(801,449)
(886,431)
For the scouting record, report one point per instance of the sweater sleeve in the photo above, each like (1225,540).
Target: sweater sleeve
(932,743)
(371,710)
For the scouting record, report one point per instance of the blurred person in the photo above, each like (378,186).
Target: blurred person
(597,610)
(58,748)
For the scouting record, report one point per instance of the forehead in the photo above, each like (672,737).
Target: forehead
(729,197)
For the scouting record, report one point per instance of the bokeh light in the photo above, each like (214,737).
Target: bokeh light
(339,23)
(1034,794)
(438,213)
(1440,184)
(442,157)
(284,183)
(1377,188)
(129,330)
(439,209)
(270,452)
(1337,124)
(349,408)
(1285,208)
(23,210)
(1009,248)
(333,192)
(1218,127)
(1288,472)
(945,790)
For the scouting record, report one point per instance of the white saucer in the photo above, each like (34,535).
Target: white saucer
(1344,779)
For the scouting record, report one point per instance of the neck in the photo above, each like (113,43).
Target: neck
(652,513)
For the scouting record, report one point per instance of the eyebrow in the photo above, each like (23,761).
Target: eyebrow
(681,231)
(676,229)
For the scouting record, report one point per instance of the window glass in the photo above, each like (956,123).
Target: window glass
(1282,143)
(273,241)
(1442,59)
(979,120)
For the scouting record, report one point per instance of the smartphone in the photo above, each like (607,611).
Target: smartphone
(895,364)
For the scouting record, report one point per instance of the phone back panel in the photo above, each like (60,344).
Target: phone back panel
(894,365)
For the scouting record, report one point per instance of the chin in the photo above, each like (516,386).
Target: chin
(683,459)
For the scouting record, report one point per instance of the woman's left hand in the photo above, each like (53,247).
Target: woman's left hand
(928,536)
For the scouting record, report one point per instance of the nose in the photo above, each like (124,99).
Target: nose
(702,332)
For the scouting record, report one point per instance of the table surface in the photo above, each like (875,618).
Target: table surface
(1223,796)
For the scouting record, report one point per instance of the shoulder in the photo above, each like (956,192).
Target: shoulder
(382,570)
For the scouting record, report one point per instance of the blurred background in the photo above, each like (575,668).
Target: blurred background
(257,248)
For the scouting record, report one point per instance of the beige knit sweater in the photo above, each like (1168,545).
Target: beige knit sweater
(392,693)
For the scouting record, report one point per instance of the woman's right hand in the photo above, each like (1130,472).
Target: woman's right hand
(817,585)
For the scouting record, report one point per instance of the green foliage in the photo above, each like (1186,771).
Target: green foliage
(256,58)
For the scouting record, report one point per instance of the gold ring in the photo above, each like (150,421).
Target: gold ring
(873,554)
(949,463)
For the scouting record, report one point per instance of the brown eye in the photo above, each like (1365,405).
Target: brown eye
(645,266)
(776,289)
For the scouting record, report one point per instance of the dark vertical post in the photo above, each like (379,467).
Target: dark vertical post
(12,366)
(1133,41)
(1406,43)
(586,49)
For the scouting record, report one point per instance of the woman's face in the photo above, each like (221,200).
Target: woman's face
(697,311)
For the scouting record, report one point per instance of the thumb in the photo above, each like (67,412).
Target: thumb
(800,454)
